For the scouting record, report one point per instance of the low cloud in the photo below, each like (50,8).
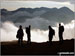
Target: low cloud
(37,23)
(9,31)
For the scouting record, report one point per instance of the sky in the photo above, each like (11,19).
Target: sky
(13,5)
(7,34)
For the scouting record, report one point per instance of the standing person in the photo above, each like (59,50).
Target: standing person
(20,35)
(61,30)
(51,33)
(28,32)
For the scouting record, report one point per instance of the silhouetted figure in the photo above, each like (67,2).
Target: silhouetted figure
(61,30)
(20,35)
(51,33)
(28,33)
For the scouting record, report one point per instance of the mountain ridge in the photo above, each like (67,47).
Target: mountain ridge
(46,16)
(41,8)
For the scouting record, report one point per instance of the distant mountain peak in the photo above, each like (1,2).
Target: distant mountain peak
(21,9)
(3,9)
(65,8)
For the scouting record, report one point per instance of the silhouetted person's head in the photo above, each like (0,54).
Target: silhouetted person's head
(49,27)
(59,24)
(20,26)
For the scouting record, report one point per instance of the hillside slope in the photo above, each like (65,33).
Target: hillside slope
(12,48)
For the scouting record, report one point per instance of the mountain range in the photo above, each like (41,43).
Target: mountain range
(63,14)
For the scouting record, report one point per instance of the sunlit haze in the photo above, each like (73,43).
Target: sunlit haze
(13,5)
(7,32)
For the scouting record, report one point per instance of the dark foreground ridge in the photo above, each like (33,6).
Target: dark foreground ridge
(12,48)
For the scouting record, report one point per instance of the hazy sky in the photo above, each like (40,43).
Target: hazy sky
(13,5)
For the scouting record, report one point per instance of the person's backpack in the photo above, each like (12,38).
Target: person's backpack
(17,36)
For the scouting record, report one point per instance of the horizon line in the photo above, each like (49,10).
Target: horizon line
(35,8)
